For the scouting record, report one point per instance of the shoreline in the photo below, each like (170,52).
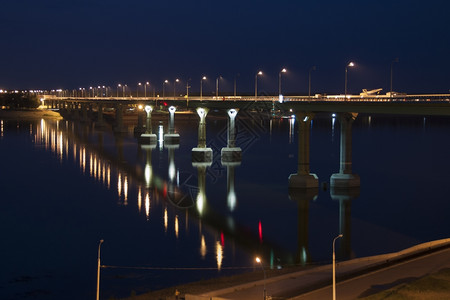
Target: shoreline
(216,286)
(29,114)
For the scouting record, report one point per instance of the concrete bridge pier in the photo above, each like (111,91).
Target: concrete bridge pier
(119,127)
(100,123)
(148,137)
(231,152)
(84,114)
(303,178)
(171,137)
(140,128)
(345,196)
(345,178)
(201,153)
(303,197)
(75,111)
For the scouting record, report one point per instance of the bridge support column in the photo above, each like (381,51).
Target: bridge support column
(140,128)
(345,178)
(100,122)
(303,178)
(148,137)
(75,111)
(201,153)
(171,137)
(119,128)
(303,197)
(231,152)
(84,114)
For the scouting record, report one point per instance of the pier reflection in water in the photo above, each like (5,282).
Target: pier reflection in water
(156,208)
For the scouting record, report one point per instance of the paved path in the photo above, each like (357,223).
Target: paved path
(355,278)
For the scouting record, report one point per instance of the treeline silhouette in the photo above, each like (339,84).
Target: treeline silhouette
(18,100)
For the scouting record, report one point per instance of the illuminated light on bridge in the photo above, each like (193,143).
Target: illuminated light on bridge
(219,255)
(147,206)
(203,249)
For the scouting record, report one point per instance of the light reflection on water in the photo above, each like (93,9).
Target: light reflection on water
(242,208)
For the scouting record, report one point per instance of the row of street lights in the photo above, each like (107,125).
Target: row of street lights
(106,91)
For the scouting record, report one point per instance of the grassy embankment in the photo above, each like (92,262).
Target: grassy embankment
(432,287)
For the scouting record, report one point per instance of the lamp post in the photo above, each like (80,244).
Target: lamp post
(137,90)
(256,83)
(279,80)
(201,86)
(145,89)
(174,85)
(258,260)
(164,84)
(98,269)
(118,86)
(350,64)
(237,75)
(334,266)
(392,72)
(313,68)
(217,85)
(124,89)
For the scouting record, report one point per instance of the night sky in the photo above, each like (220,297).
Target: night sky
(50,44)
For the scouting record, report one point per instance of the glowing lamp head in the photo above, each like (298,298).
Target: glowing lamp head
(177,80)
(139,83)
(148,108)
(351,64)
(166,81)
(140,106)
(258,260)
(204,78)
(284,70)
(172,109)
(260,73)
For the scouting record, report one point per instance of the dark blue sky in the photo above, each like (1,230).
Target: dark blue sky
(78,43)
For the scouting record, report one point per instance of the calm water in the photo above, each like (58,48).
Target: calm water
(65,186)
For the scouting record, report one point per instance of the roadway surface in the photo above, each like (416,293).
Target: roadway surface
(355,279)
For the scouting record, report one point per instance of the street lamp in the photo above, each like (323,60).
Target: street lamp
(164,84)
(258,260)
(145,88)
(201,86)
(98,269)
(174,85)
(334,266)
(137,91)
(237,75)
(217,85)
(392,71)
(256,83)
(118,86)
(350,64)
(313,68)
(279,80)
